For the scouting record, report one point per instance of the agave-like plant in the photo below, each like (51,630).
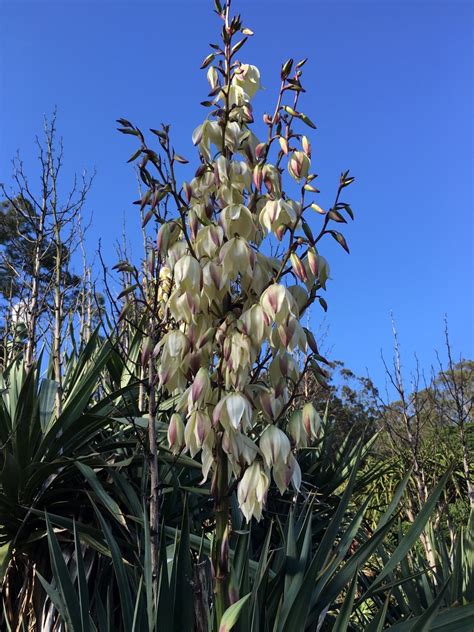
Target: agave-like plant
(39,453)
(320,567)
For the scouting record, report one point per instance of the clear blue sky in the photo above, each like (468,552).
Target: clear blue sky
(389,86)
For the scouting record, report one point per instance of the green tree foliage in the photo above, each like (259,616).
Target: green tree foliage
(19,224)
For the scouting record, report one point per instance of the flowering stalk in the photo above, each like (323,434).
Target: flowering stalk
(230,311)
(220,552)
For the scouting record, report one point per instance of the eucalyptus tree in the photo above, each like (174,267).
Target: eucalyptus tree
(39,227)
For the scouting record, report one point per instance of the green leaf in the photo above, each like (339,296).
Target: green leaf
(377,623)
(120,573)
(342,622)
(82,585)
(456,619)
(412,534)
(183,614)
(47,398)
(307,120)
(468,558)
(339,237)
(55,597)
(127,290)
(71,612)
(207,60)
(230,616)
(100,492)
(423,623)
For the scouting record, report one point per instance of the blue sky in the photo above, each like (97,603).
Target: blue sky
(389,85)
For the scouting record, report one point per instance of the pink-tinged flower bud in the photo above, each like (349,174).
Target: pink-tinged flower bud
(150,262)
(236,258)
(297,431)
(193,224)
(267,402)
(248,79)
(280,231)
(257,177)
(198,134)
(216,275)
(176,433)
(278,303)
(147,348)
(283,144)
(188,191)
(272,299)
(175,345)
(237,220)
(306,146)
(163,238)
(201,170)
(284,364)
(194,361)
(313,262)
(285,335)
(252,491)
(280,389)
(187,273)
(217,180)
(287,472)
(221,333)
(267,119)
(274,445)
(298,267)
(241,448)
(258,150)
(298,165)
(285,332)
(226,442)
(294,167)
(163,376)
(254,324)
(247,112)
(195,433)
(207,457)
(208,209)
(200,388)
(206,337)
(311,420)
(233,412)
(216,235)
(272,179)
(212,77)
(227,349)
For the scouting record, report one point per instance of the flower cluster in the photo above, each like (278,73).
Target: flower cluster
(230,354)
(238,267)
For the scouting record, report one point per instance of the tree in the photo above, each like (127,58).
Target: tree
(425,429)
(38,235)
(453,400)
